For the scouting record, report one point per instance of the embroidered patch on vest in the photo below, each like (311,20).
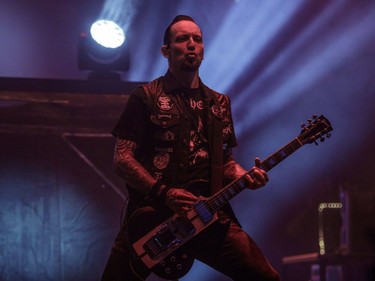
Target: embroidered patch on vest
(217,111)
(227,130)
(158,176)
(161,160)
(165,136)
(164,103)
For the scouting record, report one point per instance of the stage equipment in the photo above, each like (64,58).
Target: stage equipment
(346,242)
(103,50)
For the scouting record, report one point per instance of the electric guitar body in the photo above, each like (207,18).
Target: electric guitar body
(161,249)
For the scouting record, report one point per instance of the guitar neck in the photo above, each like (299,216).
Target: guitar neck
(223,196)
(281,154)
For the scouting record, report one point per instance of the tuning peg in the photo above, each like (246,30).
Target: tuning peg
(322,139)
(328,135)
(314,116)
(316,143)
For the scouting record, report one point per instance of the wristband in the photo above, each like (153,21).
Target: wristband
(154,191)
(158,191)
(163,193)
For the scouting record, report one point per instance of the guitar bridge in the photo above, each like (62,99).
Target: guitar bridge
(161,241)
(184,226)
(169,236)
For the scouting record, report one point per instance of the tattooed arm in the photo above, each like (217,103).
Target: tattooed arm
(233,170)
(127,167)
(179,200)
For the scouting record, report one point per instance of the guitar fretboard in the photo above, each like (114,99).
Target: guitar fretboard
(222,197)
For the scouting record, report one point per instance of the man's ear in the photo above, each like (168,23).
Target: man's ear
(165,51)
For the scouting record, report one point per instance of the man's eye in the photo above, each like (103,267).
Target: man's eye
(198,39)
(182,38)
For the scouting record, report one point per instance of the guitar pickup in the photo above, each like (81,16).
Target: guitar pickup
(160,241)
(184,226)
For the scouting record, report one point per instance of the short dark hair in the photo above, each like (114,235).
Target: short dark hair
(166,39)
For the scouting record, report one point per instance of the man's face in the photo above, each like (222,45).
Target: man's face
(186,49)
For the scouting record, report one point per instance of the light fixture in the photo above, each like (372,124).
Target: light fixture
(107,33)
(103,50)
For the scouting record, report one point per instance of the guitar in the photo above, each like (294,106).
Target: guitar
(158,237)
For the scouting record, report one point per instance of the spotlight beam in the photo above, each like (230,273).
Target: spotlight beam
(285,77)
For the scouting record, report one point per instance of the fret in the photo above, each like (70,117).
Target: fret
(280,155)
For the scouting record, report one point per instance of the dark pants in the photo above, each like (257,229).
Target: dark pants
(223,246)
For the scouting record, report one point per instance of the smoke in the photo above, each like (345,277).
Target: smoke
(120,11)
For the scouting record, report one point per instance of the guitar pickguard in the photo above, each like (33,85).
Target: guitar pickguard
(160,249)
(169,236)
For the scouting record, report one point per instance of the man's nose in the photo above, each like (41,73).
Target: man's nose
(191,44)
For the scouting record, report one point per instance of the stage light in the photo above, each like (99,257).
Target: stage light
(107,33)
(103,51)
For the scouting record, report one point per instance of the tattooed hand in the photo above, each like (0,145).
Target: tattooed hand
(180,200)
(260,177)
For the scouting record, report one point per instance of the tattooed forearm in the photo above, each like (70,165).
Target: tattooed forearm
(127,167)
(232,170)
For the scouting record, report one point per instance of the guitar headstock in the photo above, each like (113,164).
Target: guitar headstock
(317,128)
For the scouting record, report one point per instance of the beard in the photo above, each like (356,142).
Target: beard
(191,65)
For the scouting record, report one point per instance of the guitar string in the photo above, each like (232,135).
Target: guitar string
(223,194)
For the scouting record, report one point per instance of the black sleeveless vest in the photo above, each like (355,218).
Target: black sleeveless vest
(167,155)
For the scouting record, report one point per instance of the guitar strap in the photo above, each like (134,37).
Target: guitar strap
(215,136)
